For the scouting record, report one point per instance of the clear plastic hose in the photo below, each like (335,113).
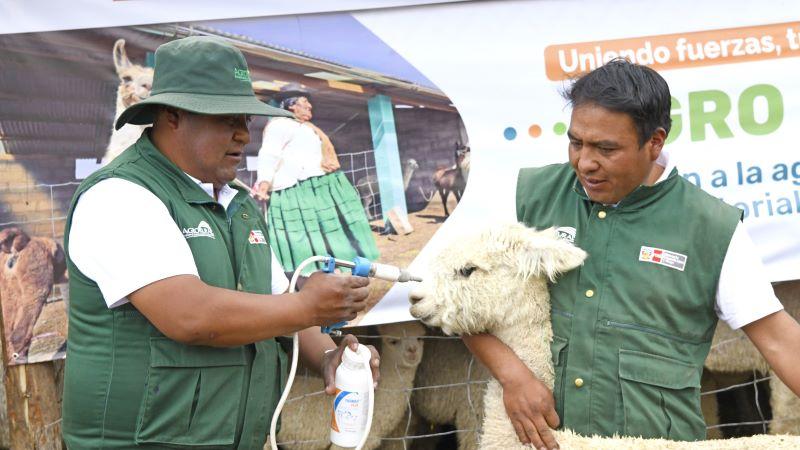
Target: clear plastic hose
(295,354)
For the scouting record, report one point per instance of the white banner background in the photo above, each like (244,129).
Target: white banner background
(488,58)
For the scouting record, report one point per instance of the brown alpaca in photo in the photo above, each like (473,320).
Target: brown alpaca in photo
(135,83)
(453,179)
(28,269)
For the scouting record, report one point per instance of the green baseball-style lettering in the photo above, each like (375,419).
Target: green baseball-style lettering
(241,74)
(747,118)
(720,102)
(699,117)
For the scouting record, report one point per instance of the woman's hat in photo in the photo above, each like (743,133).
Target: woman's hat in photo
(200,74)
(292,90)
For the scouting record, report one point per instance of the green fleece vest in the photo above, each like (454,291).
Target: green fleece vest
(632,326)
(126,384)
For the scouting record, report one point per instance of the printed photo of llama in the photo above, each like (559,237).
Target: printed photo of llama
(396,141)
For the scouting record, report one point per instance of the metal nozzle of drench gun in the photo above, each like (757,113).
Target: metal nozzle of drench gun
(362,267)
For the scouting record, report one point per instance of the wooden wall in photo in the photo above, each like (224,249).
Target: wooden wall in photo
(33,404)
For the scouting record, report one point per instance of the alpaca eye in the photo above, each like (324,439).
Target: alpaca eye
(466,271)
(393,341)
(127,78)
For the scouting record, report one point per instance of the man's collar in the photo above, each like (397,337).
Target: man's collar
(192,189)
(666,162)
(224,196)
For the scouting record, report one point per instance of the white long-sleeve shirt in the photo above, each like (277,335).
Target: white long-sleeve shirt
(290,152)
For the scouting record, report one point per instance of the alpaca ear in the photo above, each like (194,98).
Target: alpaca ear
(20,241)
(548,256)
(121,61)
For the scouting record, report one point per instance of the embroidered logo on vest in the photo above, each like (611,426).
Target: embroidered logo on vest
(202,230)
(566,233)
(662,257)
(257,237)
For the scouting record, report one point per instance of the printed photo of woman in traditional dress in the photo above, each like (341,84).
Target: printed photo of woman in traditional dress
(313,209)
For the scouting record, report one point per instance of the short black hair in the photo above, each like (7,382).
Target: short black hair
(625,87)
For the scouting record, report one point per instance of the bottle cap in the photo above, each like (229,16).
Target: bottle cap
(355,357)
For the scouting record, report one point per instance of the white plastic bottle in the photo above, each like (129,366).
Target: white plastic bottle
(351,402)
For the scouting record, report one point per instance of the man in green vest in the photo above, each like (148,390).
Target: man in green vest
(633,326)
(175,296)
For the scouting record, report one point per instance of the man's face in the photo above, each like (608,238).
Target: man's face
(302,109)
(605,153)
(215,144)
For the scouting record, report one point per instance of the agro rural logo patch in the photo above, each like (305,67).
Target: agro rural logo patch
(566,233)
(202,230)
(257,237)
(241,74)
(663,257)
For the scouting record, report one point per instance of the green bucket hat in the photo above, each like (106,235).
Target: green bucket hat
(200,74)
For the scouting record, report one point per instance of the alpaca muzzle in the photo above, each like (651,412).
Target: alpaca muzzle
(416,295)
(422,307)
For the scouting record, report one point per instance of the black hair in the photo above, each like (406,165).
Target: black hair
(625,87)
(289,102)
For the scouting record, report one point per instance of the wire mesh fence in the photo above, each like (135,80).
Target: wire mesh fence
(753,387)
(359,167)
(39,208)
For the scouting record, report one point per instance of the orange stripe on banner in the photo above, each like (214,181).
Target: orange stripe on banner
(679,50)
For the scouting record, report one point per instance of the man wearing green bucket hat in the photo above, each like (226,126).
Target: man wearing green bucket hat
(172,318)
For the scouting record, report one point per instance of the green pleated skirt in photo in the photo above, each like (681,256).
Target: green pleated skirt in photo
(316,217)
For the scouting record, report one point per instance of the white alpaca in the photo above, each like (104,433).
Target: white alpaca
(135,84)
(732,352)
(306,417)
(496,282)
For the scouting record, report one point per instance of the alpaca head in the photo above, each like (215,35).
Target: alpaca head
(493,280)
(13,240)
(463,162)
(135,81)
(401,342)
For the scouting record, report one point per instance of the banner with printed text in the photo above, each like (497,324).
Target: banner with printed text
(731,72)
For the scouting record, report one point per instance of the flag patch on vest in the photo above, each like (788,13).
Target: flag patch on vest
(662,257)
(202,230)
(257,237)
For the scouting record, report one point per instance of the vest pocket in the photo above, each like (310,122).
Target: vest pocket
(192,395)
(558,348)
(660,397)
